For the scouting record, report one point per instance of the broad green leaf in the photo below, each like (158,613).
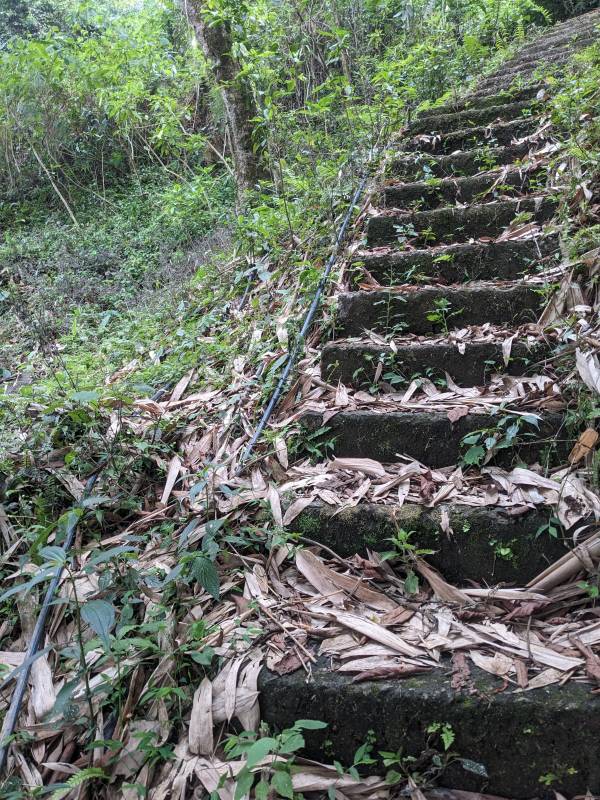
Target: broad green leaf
(100,616)
(310,724)
(282,783)
(85,397)
(259,750)
(207,576)
(243,784)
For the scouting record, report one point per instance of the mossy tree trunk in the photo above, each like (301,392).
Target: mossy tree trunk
(216,41)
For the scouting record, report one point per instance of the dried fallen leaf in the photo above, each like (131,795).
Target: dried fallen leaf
(200,735)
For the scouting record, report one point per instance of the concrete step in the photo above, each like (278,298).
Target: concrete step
(430,437)
(506,83)
(436,192)
(354,363)
(471,552)
(420,166)
(518,738)
(465,103)
(387,311)
(451,224)
(499,135)
(459,262)
(459,120)
(535,67)
(565,43)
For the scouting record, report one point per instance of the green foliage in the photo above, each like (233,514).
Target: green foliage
(275,753)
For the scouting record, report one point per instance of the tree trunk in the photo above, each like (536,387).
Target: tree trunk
(240,108)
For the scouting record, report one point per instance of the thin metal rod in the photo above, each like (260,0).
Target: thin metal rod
(10,721)
(299,344)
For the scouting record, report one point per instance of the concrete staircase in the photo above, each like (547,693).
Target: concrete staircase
(457,186)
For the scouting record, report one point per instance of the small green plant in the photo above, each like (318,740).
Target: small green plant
(268,758)
(484,444)
(406,551)
(443,314)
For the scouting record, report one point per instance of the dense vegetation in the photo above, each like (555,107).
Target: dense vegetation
(127,246)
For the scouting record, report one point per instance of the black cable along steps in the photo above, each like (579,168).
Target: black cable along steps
(455,226)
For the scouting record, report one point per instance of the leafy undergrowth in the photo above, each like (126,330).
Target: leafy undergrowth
(186,578)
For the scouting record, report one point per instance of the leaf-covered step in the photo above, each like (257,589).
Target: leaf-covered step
(457,263)
(498,135)
(466,103)
(473,551)
(435,192)
(357,363)
(431,438)
(459,120)
(420,166)
(567,43)
(432,309)
(450,224)
(510,740)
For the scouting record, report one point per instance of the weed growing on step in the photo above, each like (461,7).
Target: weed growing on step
(273,754)
(509,433)
(442,314)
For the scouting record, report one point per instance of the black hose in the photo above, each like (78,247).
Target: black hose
(293,355)
(12,715)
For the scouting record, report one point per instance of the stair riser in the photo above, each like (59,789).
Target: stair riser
(356,364)
(518,738)
(467,164)
(461,263)
(464,190)
(451,225)
(463,119)
(429,437)
(469,553)
(496,136)
(385,311)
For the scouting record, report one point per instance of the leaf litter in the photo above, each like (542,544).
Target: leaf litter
(300,604)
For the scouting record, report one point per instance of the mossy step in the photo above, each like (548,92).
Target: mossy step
(355,363)
(487,545)
(561,44)
(506,83)
(466,103)
(532,68)
(387,311)
(498,135)
(458,262)
(430,437)
(459,120)
(419,166)
(451,224)
(518,738)
(436,192)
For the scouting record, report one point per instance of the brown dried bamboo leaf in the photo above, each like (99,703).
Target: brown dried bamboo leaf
(368,466)
(296,509)
(350,584)
(584,446)
(443,590)
(275,503)
(377,633)
(172,474)
(319,576)
(200,735)
(498,664)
